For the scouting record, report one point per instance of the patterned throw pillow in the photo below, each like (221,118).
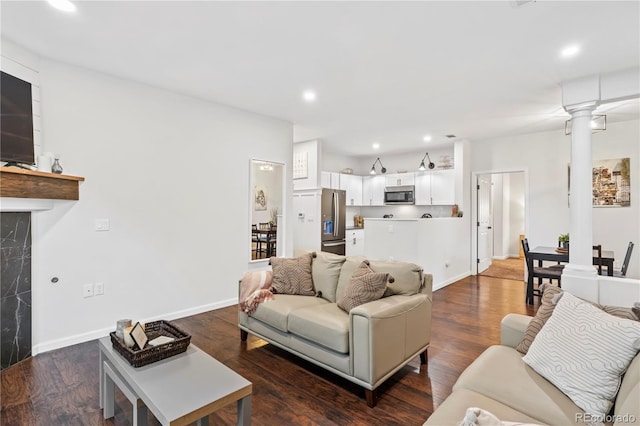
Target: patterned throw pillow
(544,312)
(584,351)
(292,276)
(550,296)
(365,286)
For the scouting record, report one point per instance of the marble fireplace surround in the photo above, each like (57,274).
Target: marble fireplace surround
(15,277)
(15,287)
(15,252)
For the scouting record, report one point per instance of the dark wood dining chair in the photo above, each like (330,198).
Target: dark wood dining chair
(272,238)
(539,272)
(625,264)
(598,259)
(256,242)
(264,229)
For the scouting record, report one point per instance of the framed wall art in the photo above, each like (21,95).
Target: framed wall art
(612,183)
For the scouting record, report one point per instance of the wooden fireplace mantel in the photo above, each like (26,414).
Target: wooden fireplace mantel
(21,183)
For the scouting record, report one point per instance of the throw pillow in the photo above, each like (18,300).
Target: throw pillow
(584,351)
(475,416)
(408,276)
(550,296)
(349,266)
(292,276)
(544,312)
(365,286)
(325,271)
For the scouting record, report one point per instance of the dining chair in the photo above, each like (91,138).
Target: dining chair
(598,259)
(625,264)
(539,272)
(272,238)
(256,242)
(264,228)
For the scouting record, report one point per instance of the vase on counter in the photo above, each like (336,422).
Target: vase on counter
(56,167)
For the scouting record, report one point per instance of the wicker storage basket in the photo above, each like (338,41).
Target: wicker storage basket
(149,354)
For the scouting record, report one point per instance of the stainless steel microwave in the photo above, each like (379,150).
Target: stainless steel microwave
(399,195)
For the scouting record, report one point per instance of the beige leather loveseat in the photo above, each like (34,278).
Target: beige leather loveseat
(366,345)
(500,382)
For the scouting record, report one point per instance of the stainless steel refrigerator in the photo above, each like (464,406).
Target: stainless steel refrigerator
(333,214)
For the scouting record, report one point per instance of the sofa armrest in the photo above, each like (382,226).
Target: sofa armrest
(512,329)
(386,333)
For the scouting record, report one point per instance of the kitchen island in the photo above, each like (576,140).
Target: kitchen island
(439,245)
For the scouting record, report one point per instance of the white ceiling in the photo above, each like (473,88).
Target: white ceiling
(386,72)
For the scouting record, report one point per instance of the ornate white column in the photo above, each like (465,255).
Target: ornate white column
(580,269)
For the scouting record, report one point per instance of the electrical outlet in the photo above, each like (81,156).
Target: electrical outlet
(102,225)
(87,291)
(98,289)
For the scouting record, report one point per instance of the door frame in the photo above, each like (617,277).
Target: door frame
(473,267)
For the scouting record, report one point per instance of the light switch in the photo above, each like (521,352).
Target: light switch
(102,224)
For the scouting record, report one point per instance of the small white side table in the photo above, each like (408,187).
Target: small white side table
(179,390)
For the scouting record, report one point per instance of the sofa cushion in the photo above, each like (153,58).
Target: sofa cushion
(365,286)
(325,271)
(293,276)
(550,297)
(584,352)
(326,325)
(407,276)
(452,410)
(276,312)
(349,266)
(499,373)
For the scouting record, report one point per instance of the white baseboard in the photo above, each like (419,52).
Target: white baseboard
(102,332)
(445,283)
(500,257)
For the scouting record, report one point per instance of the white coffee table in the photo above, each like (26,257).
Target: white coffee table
(178,390)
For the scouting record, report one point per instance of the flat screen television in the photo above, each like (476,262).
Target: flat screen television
(16,121)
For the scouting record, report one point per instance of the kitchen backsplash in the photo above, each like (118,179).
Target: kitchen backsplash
(403,211)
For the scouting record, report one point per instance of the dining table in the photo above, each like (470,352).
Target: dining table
(555,254)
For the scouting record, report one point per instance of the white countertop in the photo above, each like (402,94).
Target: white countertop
(409,219)
(392,218)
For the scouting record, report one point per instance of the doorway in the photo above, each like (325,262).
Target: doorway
(500,225)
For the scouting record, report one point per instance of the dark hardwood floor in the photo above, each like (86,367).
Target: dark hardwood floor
(61,387)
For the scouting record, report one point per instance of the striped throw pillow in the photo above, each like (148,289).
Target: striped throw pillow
(550,296)
(584,351)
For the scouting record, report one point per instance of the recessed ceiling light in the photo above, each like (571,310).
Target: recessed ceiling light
(570,51)
(376,145)
(427,138)
(64,5)
(309,95)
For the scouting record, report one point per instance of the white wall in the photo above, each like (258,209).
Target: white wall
(516,212)
(361,165)
(546,156)
(312,150)
(498,215)
(171,173)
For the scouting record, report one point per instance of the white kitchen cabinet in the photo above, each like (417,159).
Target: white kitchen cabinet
(353,185)
(373,190)
(443,187)
(435,187)
(400,179)
(355,242)
(423,189)
(330,180)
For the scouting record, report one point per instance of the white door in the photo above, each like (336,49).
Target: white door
(485,221)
